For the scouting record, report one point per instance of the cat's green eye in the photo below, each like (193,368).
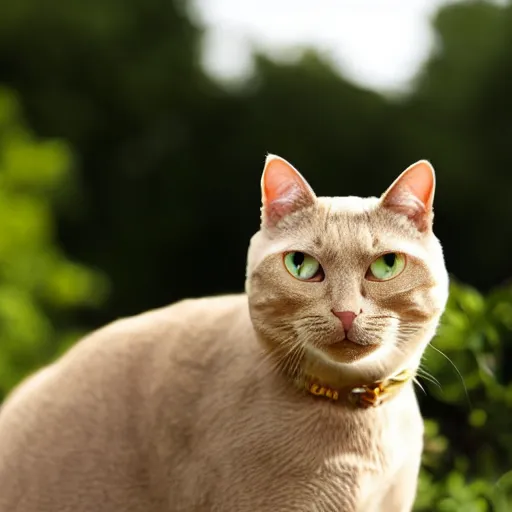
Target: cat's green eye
(303,266)
(386,267)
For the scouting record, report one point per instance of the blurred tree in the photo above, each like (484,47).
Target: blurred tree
(121,82)
(458,116)
(39,287)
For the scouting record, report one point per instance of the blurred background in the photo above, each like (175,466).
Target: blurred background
(132,139)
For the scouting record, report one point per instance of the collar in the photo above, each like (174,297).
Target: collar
(365,395)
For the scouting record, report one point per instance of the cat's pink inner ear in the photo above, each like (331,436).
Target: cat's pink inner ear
(412,194)
(284,190)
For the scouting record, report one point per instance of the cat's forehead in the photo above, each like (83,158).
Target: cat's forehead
(349,205)
(358,226)
(363,219)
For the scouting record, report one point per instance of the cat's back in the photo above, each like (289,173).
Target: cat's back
(97,402)
(186,331)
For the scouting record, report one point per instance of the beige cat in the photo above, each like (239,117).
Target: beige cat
(296,396)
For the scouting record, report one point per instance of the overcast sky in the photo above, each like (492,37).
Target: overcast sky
(377,43)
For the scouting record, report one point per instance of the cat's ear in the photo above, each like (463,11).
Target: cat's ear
(283,191)
(412,194)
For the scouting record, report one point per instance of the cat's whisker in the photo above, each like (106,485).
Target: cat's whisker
(299,355)
(416,381)
(288,360)
(430,379)
(288,357)
(269,358)
(422,372)
(456,369)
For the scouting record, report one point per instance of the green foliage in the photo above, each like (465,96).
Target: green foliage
(467,458)
(38,284)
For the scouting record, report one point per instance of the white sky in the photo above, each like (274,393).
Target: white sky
(376,43)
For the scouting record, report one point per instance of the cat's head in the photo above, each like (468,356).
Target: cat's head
(349,285)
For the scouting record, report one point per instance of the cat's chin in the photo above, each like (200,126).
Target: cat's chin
(347,351)
(331,368)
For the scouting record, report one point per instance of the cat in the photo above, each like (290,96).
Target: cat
(294,396)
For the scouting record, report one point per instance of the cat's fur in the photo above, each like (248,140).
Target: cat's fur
(195,407)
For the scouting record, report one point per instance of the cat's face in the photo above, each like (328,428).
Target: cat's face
(358,284)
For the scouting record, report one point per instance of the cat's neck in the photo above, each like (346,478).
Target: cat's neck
(346,385)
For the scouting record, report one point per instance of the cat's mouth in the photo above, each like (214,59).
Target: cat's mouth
(348,351)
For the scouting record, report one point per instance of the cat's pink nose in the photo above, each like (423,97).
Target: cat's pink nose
(347,318)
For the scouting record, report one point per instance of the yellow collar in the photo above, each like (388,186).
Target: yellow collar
(365,395)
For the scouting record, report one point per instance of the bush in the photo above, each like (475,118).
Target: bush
(468,444)
(39,287)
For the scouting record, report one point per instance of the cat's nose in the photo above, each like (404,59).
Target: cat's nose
(347,318)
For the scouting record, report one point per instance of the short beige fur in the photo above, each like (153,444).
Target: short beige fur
(199,406)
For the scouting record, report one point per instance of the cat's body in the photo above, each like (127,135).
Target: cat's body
(136,419)
(196,407)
